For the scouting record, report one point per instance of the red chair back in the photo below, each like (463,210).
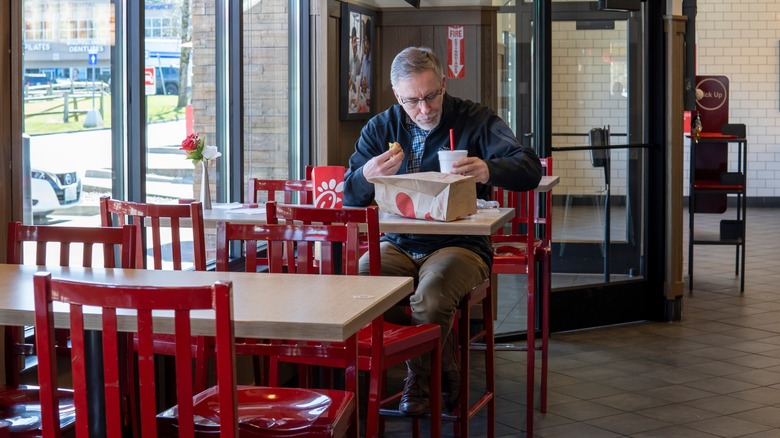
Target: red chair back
(268,189)
(144,300)
(531,208)
(381,345)
(68,238)
(367,217)
(290,247)
(154,217)
(86,237)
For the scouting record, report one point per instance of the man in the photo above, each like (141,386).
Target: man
(445,268)
(354,61)
(364,83)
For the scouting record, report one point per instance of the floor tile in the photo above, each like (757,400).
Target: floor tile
(628,423)
(716,373)
(728,426)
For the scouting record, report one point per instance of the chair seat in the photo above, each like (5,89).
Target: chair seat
(512,248)
(270,412)
(396,340)
(715,184)
(21,406)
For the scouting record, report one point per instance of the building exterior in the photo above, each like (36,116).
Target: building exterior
(73,39)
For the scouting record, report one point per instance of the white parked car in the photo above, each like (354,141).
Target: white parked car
(53,190)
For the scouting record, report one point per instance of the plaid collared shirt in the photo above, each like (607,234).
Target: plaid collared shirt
(418,145)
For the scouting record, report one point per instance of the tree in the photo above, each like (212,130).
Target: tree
(186,52)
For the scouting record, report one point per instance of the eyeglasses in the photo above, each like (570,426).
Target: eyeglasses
(413,101)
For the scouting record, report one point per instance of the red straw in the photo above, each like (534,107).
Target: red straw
(452,140)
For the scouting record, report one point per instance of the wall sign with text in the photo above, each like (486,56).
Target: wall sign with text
(456,52)
(712,101)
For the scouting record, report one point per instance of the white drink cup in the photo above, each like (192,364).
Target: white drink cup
(446,158)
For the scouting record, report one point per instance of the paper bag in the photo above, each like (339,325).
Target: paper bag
(426,195)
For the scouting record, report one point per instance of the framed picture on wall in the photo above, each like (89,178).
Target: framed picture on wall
(357,35)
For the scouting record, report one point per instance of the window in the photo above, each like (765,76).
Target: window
(162,27)
(184,99)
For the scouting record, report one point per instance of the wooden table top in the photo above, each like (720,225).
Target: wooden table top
(484,223)
(547,183)
(274,306)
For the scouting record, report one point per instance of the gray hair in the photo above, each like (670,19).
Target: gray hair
(414,60)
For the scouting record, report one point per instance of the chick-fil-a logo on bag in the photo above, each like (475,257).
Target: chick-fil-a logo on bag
(328,184)
(405,205)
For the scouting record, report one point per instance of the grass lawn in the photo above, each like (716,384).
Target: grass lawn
(49,113)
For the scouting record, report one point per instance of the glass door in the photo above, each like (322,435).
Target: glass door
(598,233)
(597,141)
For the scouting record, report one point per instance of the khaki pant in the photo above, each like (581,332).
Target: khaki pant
(442,278)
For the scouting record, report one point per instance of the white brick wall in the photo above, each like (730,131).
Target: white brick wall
(585,66)
(741,40)
(737,39)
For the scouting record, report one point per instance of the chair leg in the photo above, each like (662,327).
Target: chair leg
(273,371)
(490,345)
(494,291)
(383,396)
(375,389)
(482,294)
(531,353)
(436,390)
(354,430)
(462,425)
(13,336)
(129,384)
(201,363)
(546,287)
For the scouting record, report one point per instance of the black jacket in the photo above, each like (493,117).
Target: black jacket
(476,129)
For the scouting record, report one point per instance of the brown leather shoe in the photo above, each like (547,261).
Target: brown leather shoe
(416,398)
(451,389)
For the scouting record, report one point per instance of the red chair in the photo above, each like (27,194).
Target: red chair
(480,339)
(466,336)
(269,188)
(264,190)
(155,217)
(226,409)
(309,215)
(171,217)
(111,297)
(399,343)
(16,398)
(511,256)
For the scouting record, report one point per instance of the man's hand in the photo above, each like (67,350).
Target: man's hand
(472,166)
(384,164)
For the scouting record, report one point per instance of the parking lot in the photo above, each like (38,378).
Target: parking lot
(170,174)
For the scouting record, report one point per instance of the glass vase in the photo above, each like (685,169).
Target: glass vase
(205,191)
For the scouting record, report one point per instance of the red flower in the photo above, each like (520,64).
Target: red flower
(190,143)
